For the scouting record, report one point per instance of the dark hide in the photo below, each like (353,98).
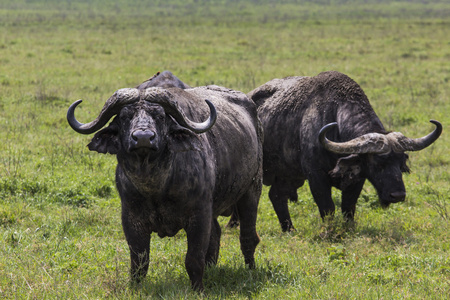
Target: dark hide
(163,79)
(177,179)
(292,111)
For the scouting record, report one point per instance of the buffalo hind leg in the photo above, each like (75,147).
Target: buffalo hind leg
(247,208)
(293,197)
(234,220)
(278,195)
(212,255)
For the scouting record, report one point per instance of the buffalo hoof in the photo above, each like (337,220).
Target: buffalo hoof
(232,224)
(287,226)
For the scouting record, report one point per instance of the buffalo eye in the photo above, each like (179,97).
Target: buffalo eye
(160,117)
(125,114)
(378,161)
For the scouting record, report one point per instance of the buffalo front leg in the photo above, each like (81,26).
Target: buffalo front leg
(138,241)
(198,236)
(321,191)
(279,199)
(349,198)
(135,227)
(247,208)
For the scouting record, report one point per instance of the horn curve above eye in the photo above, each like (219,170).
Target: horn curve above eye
(112,107)
(171,107)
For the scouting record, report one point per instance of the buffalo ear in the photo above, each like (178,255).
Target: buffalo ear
(182,139)
(106,140)
(404,166)
(348,170)
(260,94)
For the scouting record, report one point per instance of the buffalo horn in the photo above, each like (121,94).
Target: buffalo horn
(402,143)
(112,107)
(171,107)
(378,143)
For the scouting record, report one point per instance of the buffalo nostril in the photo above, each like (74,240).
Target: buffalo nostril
(399,196)
(143,135)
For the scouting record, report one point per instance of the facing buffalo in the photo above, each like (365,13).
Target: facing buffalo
(176,171)
(294,110)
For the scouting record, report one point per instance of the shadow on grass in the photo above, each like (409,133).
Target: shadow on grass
(223,281)
(394,232)
(220,282)
(335,230)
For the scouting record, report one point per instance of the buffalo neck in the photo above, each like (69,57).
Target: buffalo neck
(145,171)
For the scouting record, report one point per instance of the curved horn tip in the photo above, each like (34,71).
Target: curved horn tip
(71,110)
(205,126)
(213,113)
(211,106)
(423,142)
(326,128)
(437,123)
(438,129)
(76,103)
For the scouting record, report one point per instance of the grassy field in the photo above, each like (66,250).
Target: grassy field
(60,231)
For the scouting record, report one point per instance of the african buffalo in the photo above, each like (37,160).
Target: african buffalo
(176,172)
(294,110)
(163,79)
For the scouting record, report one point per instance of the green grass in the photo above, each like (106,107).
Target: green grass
(60,231)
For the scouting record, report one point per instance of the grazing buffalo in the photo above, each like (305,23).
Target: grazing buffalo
(294,110)
(176,171)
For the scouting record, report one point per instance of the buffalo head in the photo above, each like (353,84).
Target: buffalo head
(380,158)
(144,119)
